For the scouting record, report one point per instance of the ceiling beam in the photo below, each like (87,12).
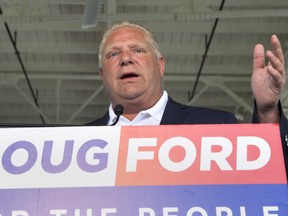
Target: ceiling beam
(53,69)
(92,49)
(228,14)
(215,3)
(200,26)
(168,77)
(170,3)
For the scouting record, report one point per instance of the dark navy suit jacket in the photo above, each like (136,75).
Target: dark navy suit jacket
(176,113)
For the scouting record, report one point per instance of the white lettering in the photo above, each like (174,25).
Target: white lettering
(267,209)
(107,211)
(223,209)
(20,213)
(242,211)
(165,149)
(58,212)
(143,211)
(134,154)
(168,210)
(88,212)
(195,210)
(207,155)
(242,153)
(213,149)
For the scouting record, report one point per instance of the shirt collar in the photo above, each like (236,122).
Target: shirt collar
(158,109)
(155,111)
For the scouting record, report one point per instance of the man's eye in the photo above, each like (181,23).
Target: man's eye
(138,50)
(112,54)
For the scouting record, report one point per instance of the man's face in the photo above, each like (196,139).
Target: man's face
(131,69)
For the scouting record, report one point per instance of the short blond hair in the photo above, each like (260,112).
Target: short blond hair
(148,34)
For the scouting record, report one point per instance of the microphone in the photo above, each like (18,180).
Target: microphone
(118,110)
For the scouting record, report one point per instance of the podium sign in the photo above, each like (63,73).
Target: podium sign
(170,170)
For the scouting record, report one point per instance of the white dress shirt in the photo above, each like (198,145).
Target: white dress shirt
(150,116)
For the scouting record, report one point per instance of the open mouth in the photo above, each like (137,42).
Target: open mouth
(129,75)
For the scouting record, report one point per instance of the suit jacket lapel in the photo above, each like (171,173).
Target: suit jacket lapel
(173,113)
(100,122)
(104,120)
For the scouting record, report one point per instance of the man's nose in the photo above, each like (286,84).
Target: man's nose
(126,59)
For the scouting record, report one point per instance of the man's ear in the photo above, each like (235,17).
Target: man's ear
(162,66)
(101,72)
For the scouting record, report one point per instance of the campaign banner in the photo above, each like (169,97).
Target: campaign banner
(185,170)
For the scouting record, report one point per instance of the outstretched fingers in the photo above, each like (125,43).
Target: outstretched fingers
(275,57)
(258,57)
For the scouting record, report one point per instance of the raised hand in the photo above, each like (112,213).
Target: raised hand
(268,80)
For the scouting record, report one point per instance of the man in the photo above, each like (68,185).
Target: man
(132,69)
